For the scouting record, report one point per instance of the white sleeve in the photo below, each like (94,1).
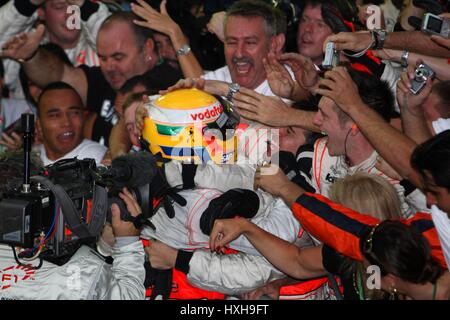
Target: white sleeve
(92,25)
(231,274)
(125,279)
(225,177)
(12,22)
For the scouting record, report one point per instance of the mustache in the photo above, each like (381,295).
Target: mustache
(242,60)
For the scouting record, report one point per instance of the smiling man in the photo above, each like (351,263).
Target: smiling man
(252,31)
(346,150)
(60,124)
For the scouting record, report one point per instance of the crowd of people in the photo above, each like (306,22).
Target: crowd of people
(356,176)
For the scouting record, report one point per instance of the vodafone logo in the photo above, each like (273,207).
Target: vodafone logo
(208,114)
(12,275)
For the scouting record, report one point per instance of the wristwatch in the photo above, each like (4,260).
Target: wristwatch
(184,50)
(404,58)
(380,37)
(233,88)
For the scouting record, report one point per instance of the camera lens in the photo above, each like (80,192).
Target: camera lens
(421,74)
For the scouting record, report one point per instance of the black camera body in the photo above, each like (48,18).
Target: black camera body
(25,216)
(421,75)
(51,214)
(33,218)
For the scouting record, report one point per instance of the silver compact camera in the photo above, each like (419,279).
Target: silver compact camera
(421,75)
(433,24)
(331,59)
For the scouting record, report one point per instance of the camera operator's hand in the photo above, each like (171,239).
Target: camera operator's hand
(354,41)
(11,142)
(406,99)
(271,111)
(161,256)
(24,45)
(339,87)
(124,228)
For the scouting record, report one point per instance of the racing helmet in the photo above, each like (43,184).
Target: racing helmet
(191,126)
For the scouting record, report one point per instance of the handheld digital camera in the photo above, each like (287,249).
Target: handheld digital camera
(421,75)
(434,24)
(331,59)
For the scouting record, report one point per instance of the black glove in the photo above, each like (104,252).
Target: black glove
(188,172)
(159,280)
(235,202)
(138,221)
(160,189)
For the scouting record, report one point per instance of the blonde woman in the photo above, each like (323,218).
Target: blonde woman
(363,192)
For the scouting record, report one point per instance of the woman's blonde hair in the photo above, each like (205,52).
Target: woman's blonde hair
(367,193)
(372,195)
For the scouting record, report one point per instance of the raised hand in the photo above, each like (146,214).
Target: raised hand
(159,21)
(280,81)
(215,25)
(23,46)
(338,85)
(405,98)
(303,68)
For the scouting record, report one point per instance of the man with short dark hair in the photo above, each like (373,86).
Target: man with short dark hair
(346,150)
(60,124)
